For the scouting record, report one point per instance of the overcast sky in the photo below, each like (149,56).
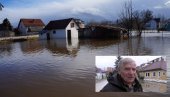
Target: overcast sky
(86,10)
(108,61)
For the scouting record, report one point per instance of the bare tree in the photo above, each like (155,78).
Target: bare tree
(126,16)
(136,20)
(140,19)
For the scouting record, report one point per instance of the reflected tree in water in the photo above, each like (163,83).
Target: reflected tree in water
(5,49)
(136,46)
(31,46)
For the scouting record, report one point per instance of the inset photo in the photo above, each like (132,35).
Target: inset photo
(131,74)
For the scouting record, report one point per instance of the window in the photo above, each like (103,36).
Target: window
(159,74)
(163,73)
(54,32)
(72,25)
(154,74)
(147,74)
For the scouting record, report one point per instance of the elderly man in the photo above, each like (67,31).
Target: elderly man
(125,79)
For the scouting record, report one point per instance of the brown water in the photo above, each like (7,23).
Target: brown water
(67,69)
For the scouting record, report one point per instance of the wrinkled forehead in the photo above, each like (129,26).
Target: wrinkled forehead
(130,64)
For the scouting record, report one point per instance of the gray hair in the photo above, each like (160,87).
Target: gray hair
(124,61)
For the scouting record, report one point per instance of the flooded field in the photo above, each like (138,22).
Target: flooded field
(60,68)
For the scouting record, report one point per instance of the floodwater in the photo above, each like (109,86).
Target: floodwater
(154,87)
(58,68)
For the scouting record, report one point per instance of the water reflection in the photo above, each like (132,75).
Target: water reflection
(134,46)
(31,46)
(58,46)
(97,44)
(62,47)
(131,46)
(154,87)
(5,49)
(44,68)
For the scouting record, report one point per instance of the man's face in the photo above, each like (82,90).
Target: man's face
(128,72)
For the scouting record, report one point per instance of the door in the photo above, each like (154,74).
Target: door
(48,36)
(69,36)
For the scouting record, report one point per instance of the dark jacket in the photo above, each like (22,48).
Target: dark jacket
(115,84)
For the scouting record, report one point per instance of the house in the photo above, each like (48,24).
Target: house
(153,24)
(60,29)
(30,26)
(167,26)
(80,23)
(154,70)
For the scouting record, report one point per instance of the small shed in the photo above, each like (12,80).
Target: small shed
(60,29)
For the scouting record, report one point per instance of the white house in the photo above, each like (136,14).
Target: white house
(60,29)
(153,24)
(30,26)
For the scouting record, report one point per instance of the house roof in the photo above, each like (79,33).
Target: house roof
(108,27)
(157,20)
(159,65)
(58,24)
(31,22)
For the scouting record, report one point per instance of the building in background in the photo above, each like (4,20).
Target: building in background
(30,26)
(155,70)
(153,24)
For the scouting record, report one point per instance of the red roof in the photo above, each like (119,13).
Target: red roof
(32,22)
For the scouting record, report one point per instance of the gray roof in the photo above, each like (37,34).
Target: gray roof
(58,24)
(159,65)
